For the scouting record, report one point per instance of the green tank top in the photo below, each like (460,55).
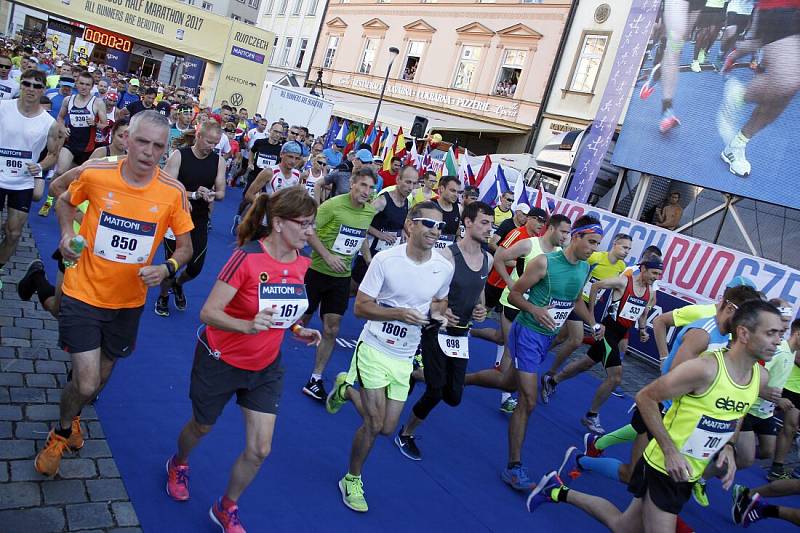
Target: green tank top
(560,287)
(793,383)
(699,426)
(536,249)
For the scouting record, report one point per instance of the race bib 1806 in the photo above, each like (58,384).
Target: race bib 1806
(451,346)
(12,162)
(349,240)
(560,310)
(288,300)
(396,334)
(708,437)
(124,240)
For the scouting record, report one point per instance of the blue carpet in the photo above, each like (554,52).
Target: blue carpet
(456,487)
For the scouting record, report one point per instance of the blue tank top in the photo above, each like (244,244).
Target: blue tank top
(716,339)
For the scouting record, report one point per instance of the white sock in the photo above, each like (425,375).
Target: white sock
(504,396)
(316,377)
(499,355)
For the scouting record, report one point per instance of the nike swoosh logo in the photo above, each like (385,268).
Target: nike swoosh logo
(484,277)
(436,271)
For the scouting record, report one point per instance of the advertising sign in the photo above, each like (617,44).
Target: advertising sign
(306,110)
(193,69)
(244,66)
(721,111)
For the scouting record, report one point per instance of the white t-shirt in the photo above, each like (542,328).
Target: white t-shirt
(387,280)
(223,146)
(22,140)
(280,180)
(9,89)
(254,135)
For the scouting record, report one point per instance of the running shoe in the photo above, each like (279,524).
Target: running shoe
(730,60)
(407,445)
(227,519)
(682,527)
(592,423)
(741,499)
(518,478)
(695,66)
(162,306)
(730,115)
(315,388)
(352,489)
(237,219)
(45,209)
(701,56)
(699,493)
(547,389)
(508,405)
(542,493)
(177,480)
(668,121)
(754,511)
(649,86)
(180,297)
(49,459)
(570,466)
(337,397)
(778,473)
(589,449)
(734,155)
(75,440)
(25,287)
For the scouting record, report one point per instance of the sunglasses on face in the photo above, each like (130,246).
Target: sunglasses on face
(430,223)
(322,162)
(5,66)
(294,132)
(29,84)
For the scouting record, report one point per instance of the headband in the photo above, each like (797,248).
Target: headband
(591,228)
(652,264)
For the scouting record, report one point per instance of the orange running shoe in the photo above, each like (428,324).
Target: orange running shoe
(75,439)
(49,459)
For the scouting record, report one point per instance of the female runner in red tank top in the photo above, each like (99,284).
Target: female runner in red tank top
(258,295)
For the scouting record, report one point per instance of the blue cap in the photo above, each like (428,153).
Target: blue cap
(292,147)
(364,155)
(340,143)
(738,281)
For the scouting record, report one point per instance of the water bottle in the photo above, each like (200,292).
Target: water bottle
(76,244)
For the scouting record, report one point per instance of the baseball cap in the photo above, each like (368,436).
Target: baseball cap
(134,82)
(537,212)
(292,147)
(739,281)
(364,155)
(185,108)
(66,81)
(525,208)
(59,63)
(340,143)
(111,97)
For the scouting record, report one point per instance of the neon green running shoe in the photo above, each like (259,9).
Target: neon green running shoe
(352,490)
(699,494)
(337,397)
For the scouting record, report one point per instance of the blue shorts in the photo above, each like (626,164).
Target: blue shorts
(527,347)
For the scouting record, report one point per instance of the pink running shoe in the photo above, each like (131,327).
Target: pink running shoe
(668,121)
(226,519)
(177,480)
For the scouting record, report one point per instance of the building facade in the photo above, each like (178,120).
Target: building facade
(242,10)
(476,70)
(295,24)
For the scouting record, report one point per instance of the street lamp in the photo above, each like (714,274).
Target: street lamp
(393,52)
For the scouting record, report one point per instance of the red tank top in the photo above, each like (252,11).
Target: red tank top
(515,235)
(627,310)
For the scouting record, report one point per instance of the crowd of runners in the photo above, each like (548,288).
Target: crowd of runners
(423,261)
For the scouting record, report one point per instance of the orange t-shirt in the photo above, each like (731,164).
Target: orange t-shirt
(123,227)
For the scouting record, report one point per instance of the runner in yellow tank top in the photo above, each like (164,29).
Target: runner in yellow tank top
(711,395)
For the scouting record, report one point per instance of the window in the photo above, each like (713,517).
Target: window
(587,66)
(532,1)
(301,53)
(282,8)
(428,1)
(298,4)
(368,57)
(312,7)
(270,5)
(467,67)
(287,49)
(234,16)
(272,52)
(415,50)
(208,6)
(253,3)
(507,80)
(330,51)
(250,22)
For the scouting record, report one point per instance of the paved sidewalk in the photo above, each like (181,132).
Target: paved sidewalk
(87,494)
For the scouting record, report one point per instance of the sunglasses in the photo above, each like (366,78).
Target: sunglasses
(5,66)
(30,84)
(430,223)
(230,131)
(294,132)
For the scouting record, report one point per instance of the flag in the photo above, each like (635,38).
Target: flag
(450,163)
(380,142)
(370,134)
(541,200)
(484,171)
(412,158)
(502,183)
(376,140)
(343,131)
(486,182)
(351,138)
(395,150)
(332,132)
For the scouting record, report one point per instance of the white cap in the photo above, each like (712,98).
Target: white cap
(525,208)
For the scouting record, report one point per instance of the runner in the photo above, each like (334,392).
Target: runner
(202,174)
(131,204)
(447,202)
(26,131)
(604,265)
(284,174)
(246,315)
(9,88)
(632,298)
(395,311)
(702,429)
(521,212)
(117,145)
(503,210)
(342,224)
(82,113)
(264,153)
(749,505)
(546,293)
(386,228)
(428,189)
(445,349)
(318,169)
(791,392)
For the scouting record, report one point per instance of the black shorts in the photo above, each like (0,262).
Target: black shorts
(711,17)
(776,24)
(696,5)
(441,371)
(17,200)
(668,495)
(760,426)
(79,157)
(614,334)
(214,381)
(510,313)
(742,22)
(638,422)
(331,294)
(573,316)
(83,327)
(792,396)
(359,269)
(492,295)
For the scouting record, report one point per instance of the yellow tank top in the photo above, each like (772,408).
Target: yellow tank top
(602,269)
(793,383)
(699,426)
